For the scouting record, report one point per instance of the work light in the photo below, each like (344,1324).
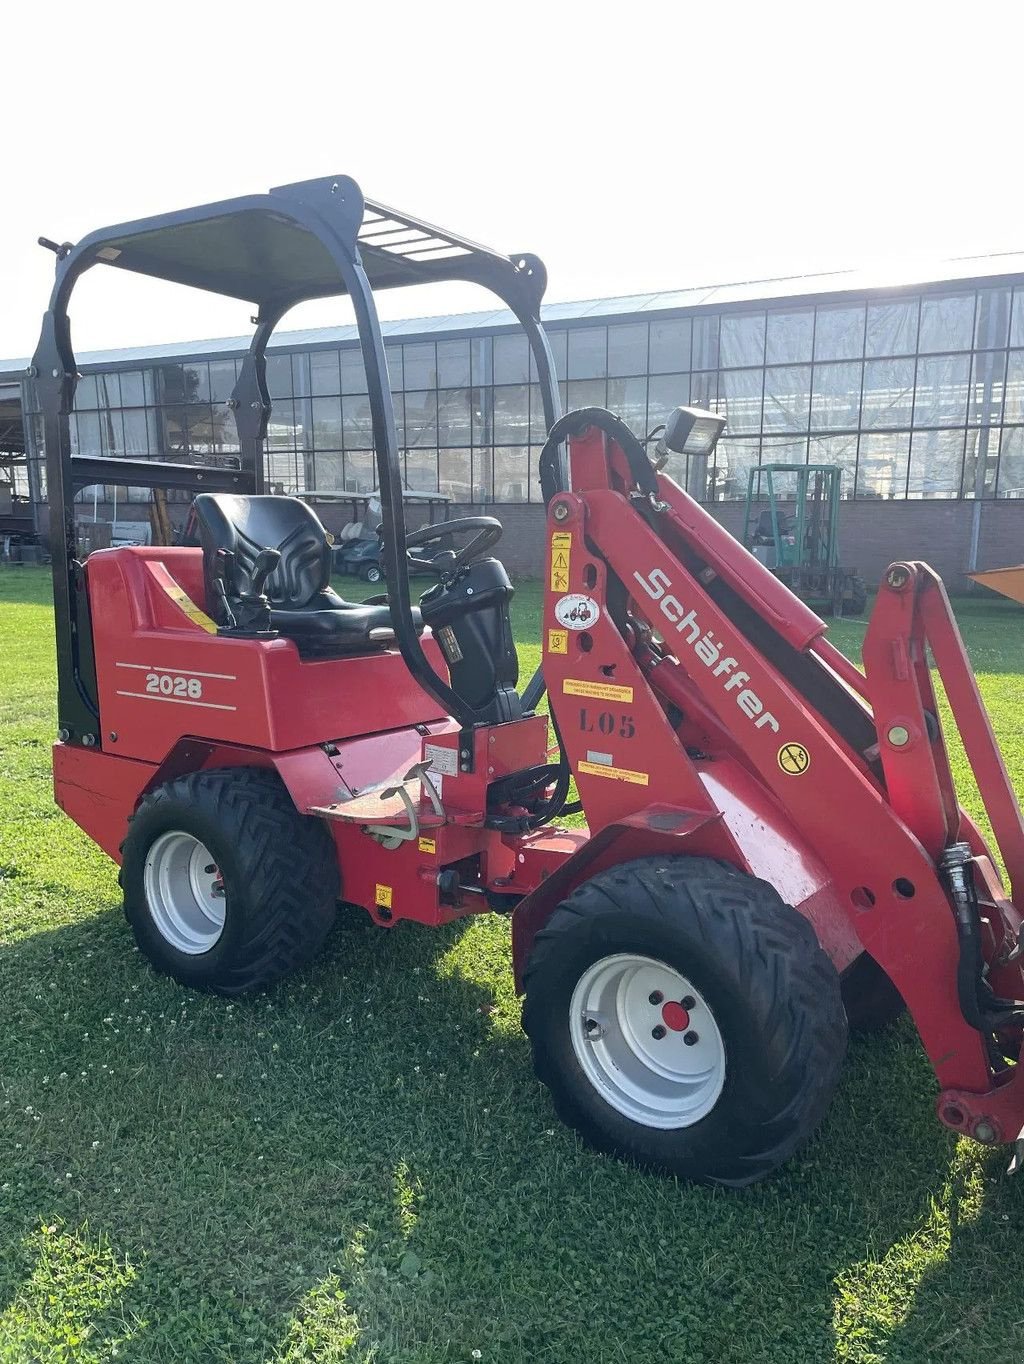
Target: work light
(692,431)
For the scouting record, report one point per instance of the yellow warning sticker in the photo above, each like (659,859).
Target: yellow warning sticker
(600,691)
(182,600)
(616,773)
(794,759)
(383,896)
(427,845)
(561,555)
(558,641)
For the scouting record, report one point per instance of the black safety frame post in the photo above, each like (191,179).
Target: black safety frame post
(330,230)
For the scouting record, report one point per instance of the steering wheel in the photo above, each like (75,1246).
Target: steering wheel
(449,562)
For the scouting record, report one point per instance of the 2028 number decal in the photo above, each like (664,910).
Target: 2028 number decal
(166,684)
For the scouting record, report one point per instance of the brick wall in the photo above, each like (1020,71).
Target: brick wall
(871,534)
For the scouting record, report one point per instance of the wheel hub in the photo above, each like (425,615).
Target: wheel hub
(184,892)
(647,1041)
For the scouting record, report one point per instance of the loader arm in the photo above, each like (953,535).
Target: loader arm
(682,673)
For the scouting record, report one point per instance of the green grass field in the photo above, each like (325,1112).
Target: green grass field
(359,1166)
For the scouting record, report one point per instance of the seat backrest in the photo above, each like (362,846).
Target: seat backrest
(245,525)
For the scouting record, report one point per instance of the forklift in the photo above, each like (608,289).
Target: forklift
(796,534)
(773,850)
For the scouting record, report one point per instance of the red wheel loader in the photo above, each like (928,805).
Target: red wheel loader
(773,848)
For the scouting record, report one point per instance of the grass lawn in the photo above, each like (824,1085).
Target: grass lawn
(360,1166)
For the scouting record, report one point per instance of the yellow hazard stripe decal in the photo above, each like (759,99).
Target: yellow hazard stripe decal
(616,773)
(182,600)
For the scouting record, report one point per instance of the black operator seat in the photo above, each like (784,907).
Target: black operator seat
(303,606)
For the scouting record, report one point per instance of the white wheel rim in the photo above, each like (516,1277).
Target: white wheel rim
(184,893)
(654,1060)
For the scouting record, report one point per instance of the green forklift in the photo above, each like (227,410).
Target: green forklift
(792,526)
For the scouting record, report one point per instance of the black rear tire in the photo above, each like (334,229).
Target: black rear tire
(773,992)
(278,868)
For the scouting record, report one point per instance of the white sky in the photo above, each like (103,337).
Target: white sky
(634,146)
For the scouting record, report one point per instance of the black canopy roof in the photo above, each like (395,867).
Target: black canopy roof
(277,248)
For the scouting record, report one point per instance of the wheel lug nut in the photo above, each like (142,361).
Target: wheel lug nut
(687,1002)
(658,1033)
(690,1038)
(210,869)
(655,997)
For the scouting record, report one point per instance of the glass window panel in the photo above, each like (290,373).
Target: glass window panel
(947,322)
(1017,319)
(482,403)
(421,418)
(586,393)
(201,430)
(787,397)
(627,398)
(790,336)
(225,429)
(511,359)
(480,360)
(222,380)
(421,471)
(733,461)
(1011,463)
(86,396)
(559,344)
(300,377)
(888,393)
(360,471)
(137,388)
(991,319)
(357,428)
(483,475)
(741,391)
(420,365)
(396,374)
(981,463)
(453,368)
(839,332)
(108,390)
(784,450)
(327,423)
(329,471)
(835,400)
(627,349)
(882,464)
(324,373)
(670,346)
(742,339)
(988,374)
(139,432)
(704,390)
(279,376)
(454,474)
(665,393)
(941,393)
(892,327)
(171,383)
(86,441)
(454,416)
(588,353)
(112,433)
(353,372)
(841,450)
(1013,401)
(511,475)
(512,415)
(936,464)
(705,341)
(538,421)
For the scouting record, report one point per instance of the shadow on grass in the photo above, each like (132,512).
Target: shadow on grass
(362,1155)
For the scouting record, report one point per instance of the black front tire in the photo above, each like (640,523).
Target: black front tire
(279,873)
(772,990)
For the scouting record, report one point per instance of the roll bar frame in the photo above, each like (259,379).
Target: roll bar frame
(314,239)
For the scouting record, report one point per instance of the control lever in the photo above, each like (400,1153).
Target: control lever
(266,561)
(224,566)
